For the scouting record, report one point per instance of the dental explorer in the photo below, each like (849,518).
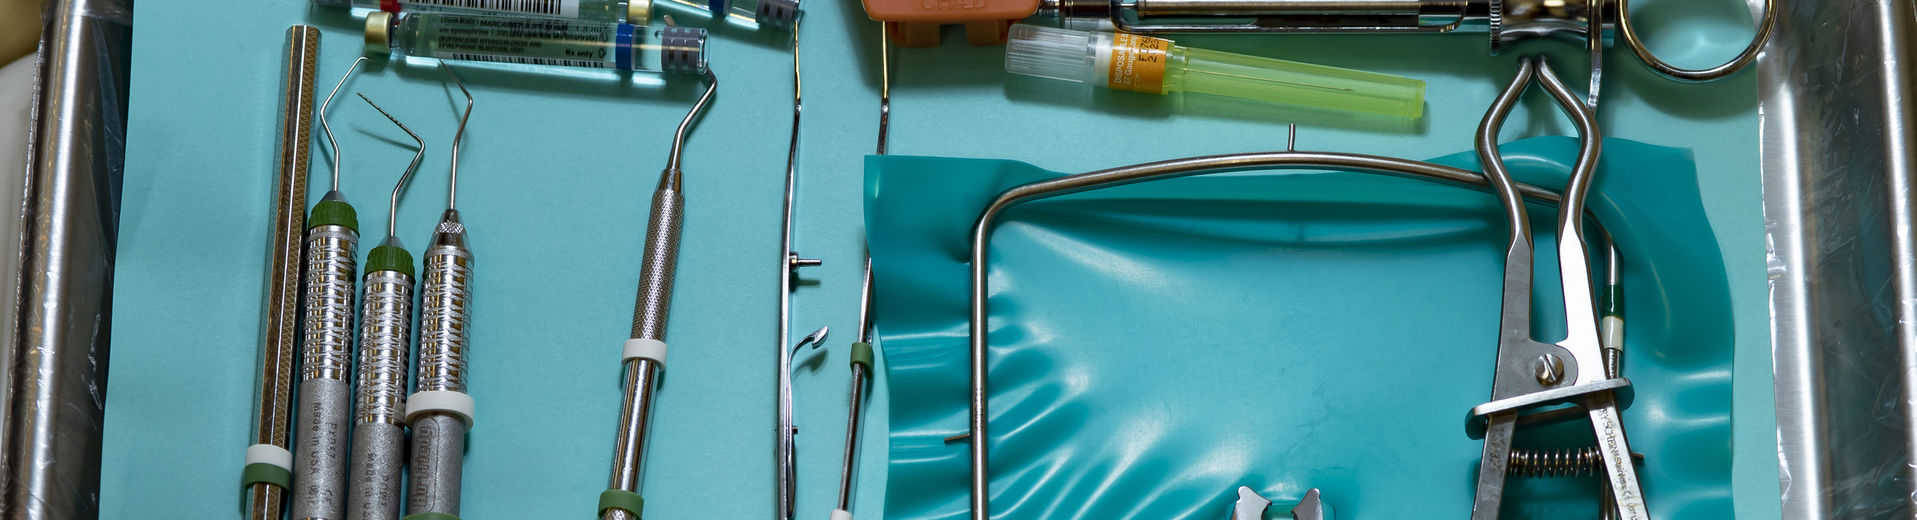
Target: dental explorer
(789,264)
(269,465)
(439,409)
(385,347)
(645,351)
(861,359)
(325,396)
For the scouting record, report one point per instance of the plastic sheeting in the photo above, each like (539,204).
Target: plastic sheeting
(1156,345)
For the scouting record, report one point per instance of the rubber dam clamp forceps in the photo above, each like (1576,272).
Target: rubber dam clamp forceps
(785,452)
(1505,22)
(1530,374)
(861,359)
(645,352)
(326,350)
(439,409)
(385,351)
(987,221)
(268,472)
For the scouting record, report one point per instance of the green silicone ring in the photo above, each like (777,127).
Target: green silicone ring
(333,213)
(862,354)
(389,258)
(262,473)
(621,499)
(429,516)
(1611,303)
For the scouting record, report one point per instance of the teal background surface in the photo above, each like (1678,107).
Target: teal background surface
(557,171)
(1156,345)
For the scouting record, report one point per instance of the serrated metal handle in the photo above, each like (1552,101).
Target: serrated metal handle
(444,319)
(385,346)
(654,301)
(319,464)
(331,263)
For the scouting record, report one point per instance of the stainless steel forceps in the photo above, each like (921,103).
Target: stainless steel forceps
(1531,374)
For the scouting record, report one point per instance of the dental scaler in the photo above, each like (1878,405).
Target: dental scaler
(1122,61)
(439,410)
(385,348)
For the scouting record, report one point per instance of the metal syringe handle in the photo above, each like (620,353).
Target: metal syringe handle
(319,460)
(648,325)
(439,438)
(379,429)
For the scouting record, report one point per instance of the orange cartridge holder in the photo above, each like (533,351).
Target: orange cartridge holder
(916,23)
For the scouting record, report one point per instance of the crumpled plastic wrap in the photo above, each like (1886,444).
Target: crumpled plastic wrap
(1156,345)
(56,347)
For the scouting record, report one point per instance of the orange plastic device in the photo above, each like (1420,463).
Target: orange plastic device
(915,23)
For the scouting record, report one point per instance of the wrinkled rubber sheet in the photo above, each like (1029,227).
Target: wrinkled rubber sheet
(1154,346)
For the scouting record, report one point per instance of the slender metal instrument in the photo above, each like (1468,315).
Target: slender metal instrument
(325,397)
(861,359)
(645,352)
(1530,374)
(269,465)
(439,409)
(789,263)
(385,351)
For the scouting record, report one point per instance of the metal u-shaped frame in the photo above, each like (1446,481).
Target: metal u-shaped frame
(1175,168)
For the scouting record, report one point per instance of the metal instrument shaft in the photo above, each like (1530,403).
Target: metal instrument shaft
(862,357)
(266,480)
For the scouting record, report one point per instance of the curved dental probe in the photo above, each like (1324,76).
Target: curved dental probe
(325,402)
(385,350)
(645,352)
(439,410)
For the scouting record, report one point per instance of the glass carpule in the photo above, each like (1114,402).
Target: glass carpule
(537,41)
(697,13)
(1123,61)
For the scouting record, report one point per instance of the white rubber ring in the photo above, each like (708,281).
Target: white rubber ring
(841,514)
(1611,329)
(440,401)
(269,454)
(652,349)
